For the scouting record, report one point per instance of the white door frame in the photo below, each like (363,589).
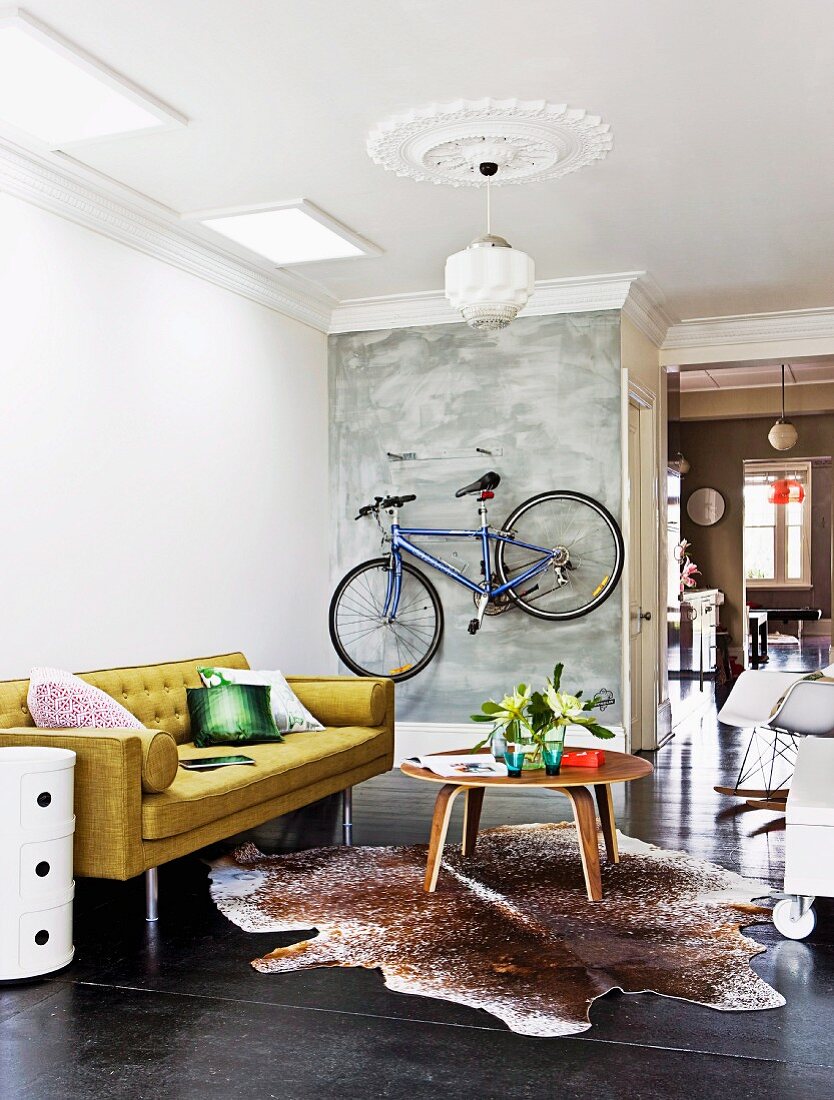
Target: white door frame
(634,393)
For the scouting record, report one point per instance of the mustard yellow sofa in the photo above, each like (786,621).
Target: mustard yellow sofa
(136,808)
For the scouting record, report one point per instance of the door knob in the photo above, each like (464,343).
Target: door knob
(647,615)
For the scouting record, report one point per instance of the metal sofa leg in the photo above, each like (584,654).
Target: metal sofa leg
(151,894)
(347,815)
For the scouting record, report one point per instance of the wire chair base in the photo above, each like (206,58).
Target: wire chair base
(770,758)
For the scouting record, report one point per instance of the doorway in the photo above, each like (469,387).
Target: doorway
(643,677)
(723,425)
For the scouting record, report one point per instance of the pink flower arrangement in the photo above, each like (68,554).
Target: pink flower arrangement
(688,567)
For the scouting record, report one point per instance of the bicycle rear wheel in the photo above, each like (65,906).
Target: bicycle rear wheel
(371,645)
(591,554)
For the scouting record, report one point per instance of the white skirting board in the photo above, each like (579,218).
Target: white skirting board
(423,738)
(819,629)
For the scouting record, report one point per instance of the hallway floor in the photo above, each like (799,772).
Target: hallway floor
(175,1010)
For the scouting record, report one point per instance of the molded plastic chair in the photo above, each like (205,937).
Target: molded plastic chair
(807,710)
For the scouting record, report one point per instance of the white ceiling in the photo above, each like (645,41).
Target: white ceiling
(753,374)
(719,182)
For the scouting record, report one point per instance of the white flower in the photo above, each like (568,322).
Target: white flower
(564,706)
(511,707)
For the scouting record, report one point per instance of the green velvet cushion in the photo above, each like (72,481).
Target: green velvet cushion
(231,714)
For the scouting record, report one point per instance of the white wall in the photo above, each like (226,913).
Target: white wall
(163,491)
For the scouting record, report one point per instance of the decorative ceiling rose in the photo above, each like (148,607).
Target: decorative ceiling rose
(783,435)
(529,140)
(469,143)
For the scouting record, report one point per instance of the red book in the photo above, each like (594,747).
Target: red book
(583,758)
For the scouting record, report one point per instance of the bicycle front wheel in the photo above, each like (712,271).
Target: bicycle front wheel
(371,644)
(589,554)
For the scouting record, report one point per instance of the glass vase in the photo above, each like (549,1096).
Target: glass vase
(533,759)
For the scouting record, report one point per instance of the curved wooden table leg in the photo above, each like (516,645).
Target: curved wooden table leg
(605,803)
(471,818)
(586,828)
(439,824)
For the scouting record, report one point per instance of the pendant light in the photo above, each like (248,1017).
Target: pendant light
(786,490)
(783,435)
(489,282)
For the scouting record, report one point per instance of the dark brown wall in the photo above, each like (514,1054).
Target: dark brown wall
(716,450)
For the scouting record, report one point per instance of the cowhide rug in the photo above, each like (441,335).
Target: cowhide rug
(509,929)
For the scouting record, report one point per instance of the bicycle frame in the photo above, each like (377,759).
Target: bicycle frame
(486,591)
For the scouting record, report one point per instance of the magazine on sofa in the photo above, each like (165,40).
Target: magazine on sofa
(470,766)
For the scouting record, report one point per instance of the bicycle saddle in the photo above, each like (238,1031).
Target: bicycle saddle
(483,485)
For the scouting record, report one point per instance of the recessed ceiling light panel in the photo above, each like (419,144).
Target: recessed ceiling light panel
(289,233)
(53,92)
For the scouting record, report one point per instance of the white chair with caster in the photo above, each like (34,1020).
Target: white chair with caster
(809,838)
(805,709)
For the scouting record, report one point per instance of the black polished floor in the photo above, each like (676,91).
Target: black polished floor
(175,1010)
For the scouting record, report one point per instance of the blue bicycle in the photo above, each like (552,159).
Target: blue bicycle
(559,555)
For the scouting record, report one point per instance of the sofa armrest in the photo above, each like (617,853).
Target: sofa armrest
(347,700)
(112,768)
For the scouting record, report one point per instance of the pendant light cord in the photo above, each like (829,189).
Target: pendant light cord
(783,391)
(489,210)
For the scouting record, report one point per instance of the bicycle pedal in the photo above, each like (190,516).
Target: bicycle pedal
(474,626)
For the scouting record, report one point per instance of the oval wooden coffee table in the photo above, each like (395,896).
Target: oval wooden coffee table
(619,767)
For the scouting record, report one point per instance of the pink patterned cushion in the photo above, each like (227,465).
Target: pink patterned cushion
(59,700)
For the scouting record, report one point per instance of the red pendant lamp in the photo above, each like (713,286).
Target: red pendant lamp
(786,490)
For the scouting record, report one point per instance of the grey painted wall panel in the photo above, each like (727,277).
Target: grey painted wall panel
(548,391)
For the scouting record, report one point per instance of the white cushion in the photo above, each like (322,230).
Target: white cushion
(289,712)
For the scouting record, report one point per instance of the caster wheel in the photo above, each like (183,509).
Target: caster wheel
(790,928)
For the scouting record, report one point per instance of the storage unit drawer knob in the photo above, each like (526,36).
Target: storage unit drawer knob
(41,937)
(44,798)
(42,869)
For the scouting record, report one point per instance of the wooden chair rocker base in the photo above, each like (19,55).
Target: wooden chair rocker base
(753,792)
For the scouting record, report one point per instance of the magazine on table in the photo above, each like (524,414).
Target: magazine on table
(472,766)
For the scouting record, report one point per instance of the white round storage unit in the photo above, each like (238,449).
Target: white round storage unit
(36,833)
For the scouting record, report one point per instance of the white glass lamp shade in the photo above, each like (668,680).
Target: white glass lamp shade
(489,282)
(783,435)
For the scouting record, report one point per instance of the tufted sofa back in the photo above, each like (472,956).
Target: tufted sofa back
(154,693)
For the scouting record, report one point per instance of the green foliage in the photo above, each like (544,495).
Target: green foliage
(539,713)
(527,715)
(599,731)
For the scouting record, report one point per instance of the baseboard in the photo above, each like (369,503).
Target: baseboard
(819,629)
(422,738)
(664,720)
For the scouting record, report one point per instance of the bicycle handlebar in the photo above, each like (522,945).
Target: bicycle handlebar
(384,502)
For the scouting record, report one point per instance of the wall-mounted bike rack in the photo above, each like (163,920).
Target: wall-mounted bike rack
(405,455)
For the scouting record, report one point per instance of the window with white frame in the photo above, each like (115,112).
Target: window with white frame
(777,536)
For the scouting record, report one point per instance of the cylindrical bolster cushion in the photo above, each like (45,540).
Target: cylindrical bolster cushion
(343,702)
(159,760)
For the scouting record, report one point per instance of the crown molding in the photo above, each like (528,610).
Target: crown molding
(644,309)
(162,235)
(751,328)
(81,195)
(631,290)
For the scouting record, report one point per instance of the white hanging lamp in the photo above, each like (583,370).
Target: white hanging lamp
(465,142)
(490,281)
(783,435)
